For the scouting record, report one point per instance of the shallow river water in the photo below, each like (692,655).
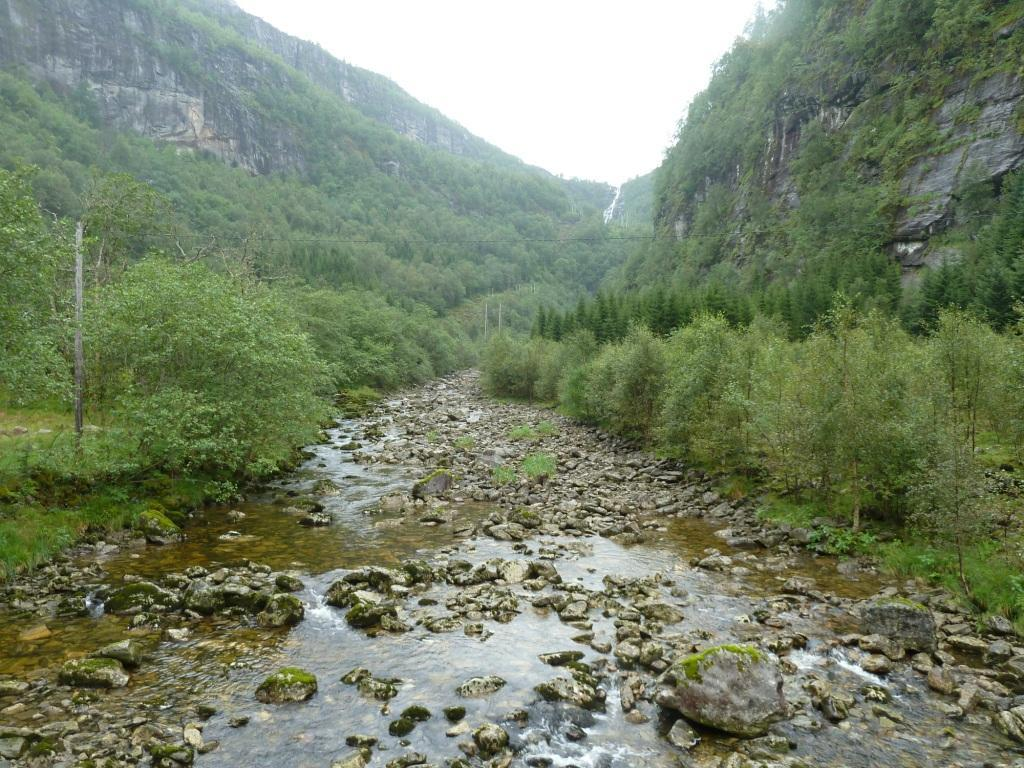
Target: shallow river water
(224,660)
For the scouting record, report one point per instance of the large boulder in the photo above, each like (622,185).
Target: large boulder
(158,528)
(903,621)
(282,611)
(437,483)
(140,596)
(94,673)
(732,688)
(288,684)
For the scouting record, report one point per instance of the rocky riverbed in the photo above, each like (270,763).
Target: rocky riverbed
(429,589)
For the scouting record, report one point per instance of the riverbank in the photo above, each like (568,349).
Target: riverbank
(567,564)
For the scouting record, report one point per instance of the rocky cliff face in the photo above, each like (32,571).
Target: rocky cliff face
(985,146)
(185,72)
(918,100)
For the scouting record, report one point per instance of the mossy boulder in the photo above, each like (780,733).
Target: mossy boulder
(158,528)
(736,689)
(94,673)
(437,483)
(282,611)
(141,596)
(366,615)
(286,685)
(288,583)
(902,621)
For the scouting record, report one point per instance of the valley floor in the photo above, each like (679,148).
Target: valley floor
(523,611)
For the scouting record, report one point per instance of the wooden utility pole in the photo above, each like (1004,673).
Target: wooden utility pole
(499,318)
(79,354)
(485,321)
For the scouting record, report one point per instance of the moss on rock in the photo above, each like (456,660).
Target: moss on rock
(94,673)
(692,665)
(287,684)
(158,527)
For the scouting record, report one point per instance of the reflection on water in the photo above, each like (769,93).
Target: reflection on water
(223,662)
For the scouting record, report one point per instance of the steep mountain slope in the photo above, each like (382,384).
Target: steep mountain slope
(269,138)
(838,131)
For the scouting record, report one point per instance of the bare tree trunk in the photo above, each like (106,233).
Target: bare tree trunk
(79,353)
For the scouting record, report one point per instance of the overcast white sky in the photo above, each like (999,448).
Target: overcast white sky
(582,88)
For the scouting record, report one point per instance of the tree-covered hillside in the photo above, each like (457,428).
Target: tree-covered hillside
(333,183)
(846,145)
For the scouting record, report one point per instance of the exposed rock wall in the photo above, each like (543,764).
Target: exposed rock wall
(182,83)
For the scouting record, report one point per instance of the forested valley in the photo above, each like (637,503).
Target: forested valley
(332,434)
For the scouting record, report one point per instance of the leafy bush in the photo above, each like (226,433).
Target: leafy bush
(212,375)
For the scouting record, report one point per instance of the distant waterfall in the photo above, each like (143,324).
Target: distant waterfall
(609,212)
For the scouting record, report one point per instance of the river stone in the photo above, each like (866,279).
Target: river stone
(316,519)
(31,635)
(288,684)
(203,597)
(381,690)
(998,652)
(514,571)
(12,747)
(1011,723)
(142,595)
(490,738)
(13,687)
(682,735)
(170,755)
(941,679)
(282,611)
(732,688)
(128,652)
(480,686)
(358,759)
(908,623)
(578,690)
(561,658)
(574,611)
(999,625)
(435,484)
(365,615)
(968,644)
(94,673)
(158,528)
(661,612)
(288,583)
